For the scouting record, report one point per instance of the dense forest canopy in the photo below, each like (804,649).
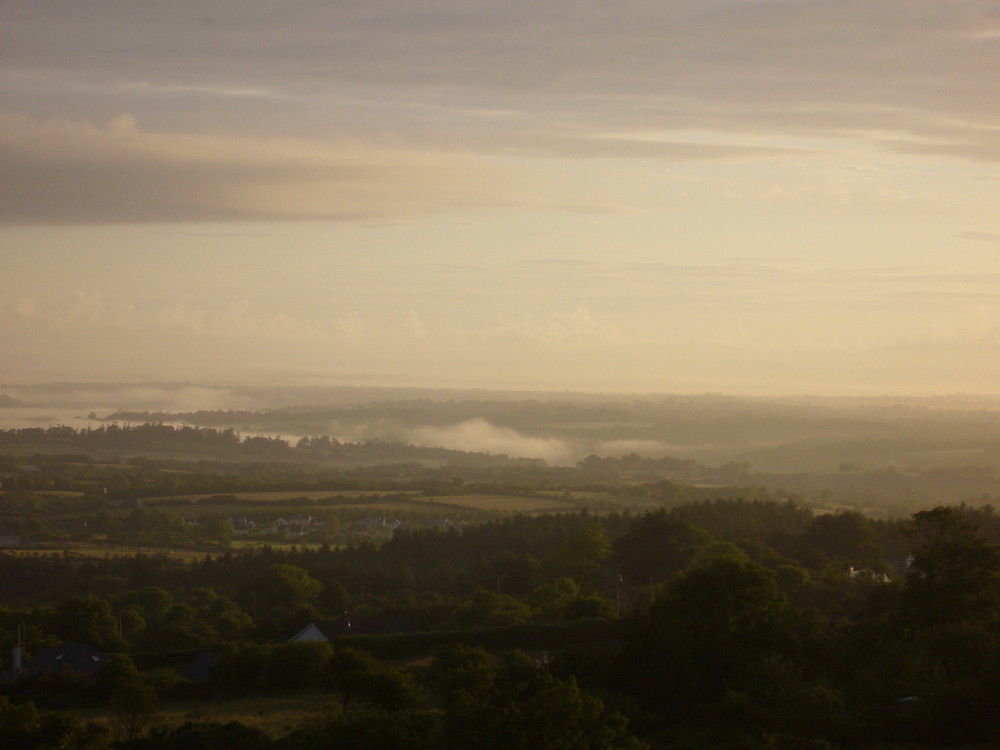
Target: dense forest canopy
(808,622)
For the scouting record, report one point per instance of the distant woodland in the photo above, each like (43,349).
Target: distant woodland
(836,463)
(472,598)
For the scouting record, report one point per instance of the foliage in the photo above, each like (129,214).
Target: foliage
(203,736)
(956,573)
(371,729)
(296,665)
(511,703)
(710,624)
(751,633)
(656,546)
(132,700)
(24,727)
(356,676)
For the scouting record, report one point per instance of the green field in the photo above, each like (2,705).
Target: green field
(509,503)
(194,505)
(92,549)
(284,495)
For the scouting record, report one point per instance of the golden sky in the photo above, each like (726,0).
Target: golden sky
(748,196)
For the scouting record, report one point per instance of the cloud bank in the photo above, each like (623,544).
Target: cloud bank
(72,171)
(371,109)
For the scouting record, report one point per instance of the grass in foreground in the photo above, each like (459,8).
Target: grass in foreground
(275,715)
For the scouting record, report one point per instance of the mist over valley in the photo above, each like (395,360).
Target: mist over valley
(882,455)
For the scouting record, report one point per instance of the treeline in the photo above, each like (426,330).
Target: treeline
(730,624)
(132,478)
(423,572)
(312,420)
(465,697)
(884,492)
(155,436)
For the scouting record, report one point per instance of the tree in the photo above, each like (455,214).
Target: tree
(18,723)
(209,736)
(217,527)
(713,551)
(221,614)
(133,706)
(955,574)
(550,599)
(518,571)
(286,597)
(90,620)
(117,671)
(287,586)
(153,602)
(511,704)
(847,536)
(593,605)
(656,546)
(357,676)
(182,627)
(297,665)
(132,700)
(370,729)
(582,555)
(488,609)
(710,624)
(953,602)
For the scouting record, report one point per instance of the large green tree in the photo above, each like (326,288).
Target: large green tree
(655,547)
(511,704)
(952,601)
(700,638)
(285,598)
(955,575)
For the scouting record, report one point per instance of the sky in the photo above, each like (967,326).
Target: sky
(681,196)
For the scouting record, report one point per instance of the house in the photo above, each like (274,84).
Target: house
(295,526)
(328,630)
(243,525)
(874,575)
(447,525)
(79,658)
(323,631)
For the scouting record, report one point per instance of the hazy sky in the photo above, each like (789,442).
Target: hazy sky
(748,196)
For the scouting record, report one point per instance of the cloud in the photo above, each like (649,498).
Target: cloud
(113,397)
(982,340)
(71,171)
(95,326)
(241,321)
(528,77)
(24,307)
(480,435)
(407,324)
(573,327)
(981,236)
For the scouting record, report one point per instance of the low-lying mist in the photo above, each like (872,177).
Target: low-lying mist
(770,434)
(481,436)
